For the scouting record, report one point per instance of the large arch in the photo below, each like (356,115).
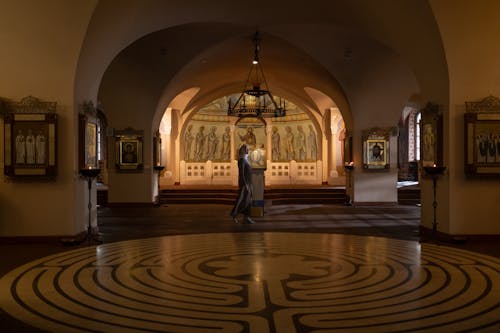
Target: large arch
(343,50)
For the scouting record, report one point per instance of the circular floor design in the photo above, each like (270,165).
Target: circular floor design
(258,282)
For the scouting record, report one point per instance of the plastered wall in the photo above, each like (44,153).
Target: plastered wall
(473,53)
(40,59)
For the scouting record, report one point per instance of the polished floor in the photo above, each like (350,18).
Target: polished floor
(300,268)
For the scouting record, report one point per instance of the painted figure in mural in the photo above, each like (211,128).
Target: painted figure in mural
(275,144)
(482,148)
(20,148)
(313,145)
(213,141)
(199,143)
(429,141)
(188,143)
(289,149)
(249,138)
(301,143)
(492,148)
(30,148)
(225,153)
(40,148)
(244,202)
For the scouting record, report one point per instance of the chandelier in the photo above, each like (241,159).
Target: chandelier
(255,101)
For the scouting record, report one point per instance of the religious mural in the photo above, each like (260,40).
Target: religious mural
(294,141)
(205,141)
(209,135)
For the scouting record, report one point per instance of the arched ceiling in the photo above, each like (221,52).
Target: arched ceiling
(216,59)
(330,46)
(223,68)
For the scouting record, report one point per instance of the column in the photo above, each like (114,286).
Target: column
(258,181)
(334,138)
(234,158)
(269,148)
(166,144)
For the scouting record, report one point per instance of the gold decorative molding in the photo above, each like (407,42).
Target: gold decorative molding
(88,108)
(26,105)
(487,104)
(377,132)
(31,104)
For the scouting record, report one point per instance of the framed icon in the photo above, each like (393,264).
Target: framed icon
(129,150)
(376,149)
(30,139)
(87,137)
(482,137)
(431,136)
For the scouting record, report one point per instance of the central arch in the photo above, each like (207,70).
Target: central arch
(350,64)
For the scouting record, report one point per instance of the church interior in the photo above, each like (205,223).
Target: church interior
(120,125)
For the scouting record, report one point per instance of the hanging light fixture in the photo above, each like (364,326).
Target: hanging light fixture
(255,101)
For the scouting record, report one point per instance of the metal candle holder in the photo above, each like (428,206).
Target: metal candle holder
(434,172)
(349,167)
(90,174)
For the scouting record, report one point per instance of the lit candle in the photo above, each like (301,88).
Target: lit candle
(434,165)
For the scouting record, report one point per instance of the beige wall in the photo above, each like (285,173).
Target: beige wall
(470,32)
(128,95)
(377,101)
(40,44)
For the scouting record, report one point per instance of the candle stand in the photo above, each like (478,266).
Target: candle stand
(349,167)
(90,175)
(434,172)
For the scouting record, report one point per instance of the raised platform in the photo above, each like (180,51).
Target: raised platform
(275,195)
(409,195)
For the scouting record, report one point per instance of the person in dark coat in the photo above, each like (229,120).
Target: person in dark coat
(244,202)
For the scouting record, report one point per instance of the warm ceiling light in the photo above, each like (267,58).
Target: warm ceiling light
(254,101)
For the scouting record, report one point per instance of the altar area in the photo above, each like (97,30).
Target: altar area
(198,147)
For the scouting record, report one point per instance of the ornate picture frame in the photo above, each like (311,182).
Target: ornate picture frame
(431,136)
(30,129)
(87,137)
(129,150)
(376,149)
(482,137)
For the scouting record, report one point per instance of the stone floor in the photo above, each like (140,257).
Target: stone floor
(300,268)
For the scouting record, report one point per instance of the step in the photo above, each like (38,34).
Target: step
(409,196)
(276,196)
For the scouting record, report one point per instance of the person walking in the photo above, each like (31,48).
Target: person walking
(244,202)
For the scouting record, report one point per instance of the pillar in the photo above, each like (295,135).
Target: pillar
(269,148)
(258,181)
(166,146)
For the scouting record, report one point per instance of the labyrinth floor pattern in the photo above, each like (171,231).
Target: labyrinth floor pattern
(258,282)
